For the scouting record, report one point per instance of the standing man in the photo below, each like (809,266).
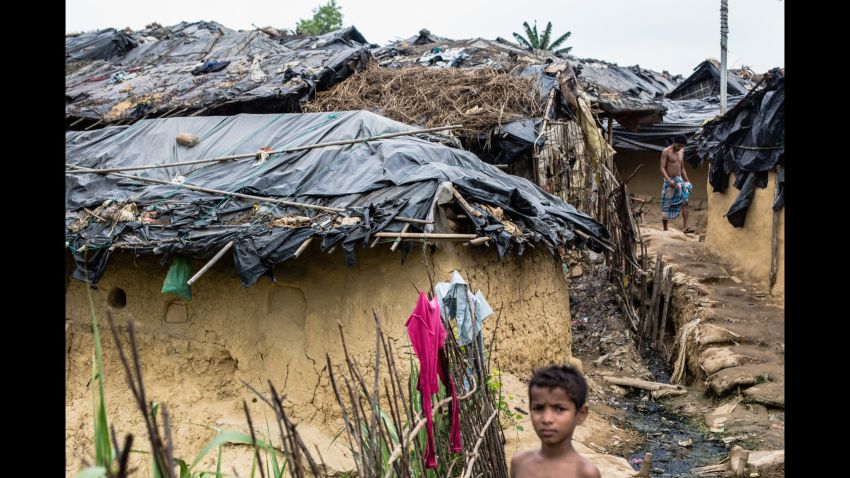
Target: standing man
(677,187)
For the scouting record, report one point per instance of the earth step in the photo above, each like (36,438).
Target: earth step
(771,394)
(714,359)
(745,376)
(708,334)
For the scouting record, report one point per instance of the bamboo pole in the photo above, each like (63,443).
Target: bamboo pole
(478,240)
(209,264)
(251,155)
(398,241)
(254,198)
(425,235)
(595,239)
(303,246)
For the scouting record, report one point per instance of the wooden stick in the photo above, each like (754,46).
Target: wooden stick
(421,423)
(668,289)
(93,214)
(398,241)
(478,443)
(610,130)
(656,290)
(646,466)
(250,196)
(77,121)
(209,264)
(774,240)
(595,239)
(168,112)
(658,394)
(477,240)
(92,125)
(638,383)
(175,114)
(425,235)
(253,154)
(303,246)
(465,205)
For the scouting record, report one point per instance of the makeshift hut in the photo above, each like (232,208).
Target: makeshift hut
(317,218)
(745,148)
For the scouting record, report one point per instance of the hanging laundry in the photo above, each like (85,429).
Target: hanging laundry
(459,303)
(428,337)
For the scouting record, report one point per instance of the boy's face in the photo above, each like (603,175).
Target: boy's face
(554,414)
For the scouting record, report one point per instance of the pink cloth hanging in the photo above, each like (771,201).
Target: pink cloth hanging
(428,337)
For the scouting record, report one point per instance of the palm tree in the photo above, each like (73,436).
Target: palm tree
(535,42)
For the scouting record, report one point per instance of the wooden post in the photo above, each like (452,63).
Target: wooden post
(209,264)
(774,239)
(668,290)
(652,316)
(646,466)
(610,130)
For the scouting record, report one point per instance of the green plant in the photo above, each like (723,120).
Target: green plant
(494,387)
(326,18)
(541,42)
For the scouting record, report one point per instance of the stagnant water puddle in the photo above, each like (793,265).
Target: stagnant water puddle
(676,442)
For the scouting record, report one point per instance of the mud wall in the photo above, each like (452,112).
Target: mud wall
(747,250)
(194,353)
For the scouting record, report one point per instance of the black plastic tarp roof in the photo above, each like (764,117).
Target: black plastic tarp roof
(749,141)
(375,181)
(338,39)
(681,117)
(431,50)
(708,71)
(98,45)
(624,91)
(159,76)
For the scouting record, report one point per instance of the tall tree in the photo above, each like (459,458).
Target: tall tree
(326,18)
(541,42)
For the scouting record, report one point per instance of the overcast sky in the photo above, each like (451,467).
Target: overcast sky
(672,35)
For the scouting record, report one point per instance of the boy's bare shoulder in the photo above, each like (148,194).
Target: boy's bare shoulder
(520,460)
(523,457)
(586,469)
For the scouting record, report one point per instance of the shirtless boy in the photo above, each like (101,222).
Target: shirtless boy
(557,396)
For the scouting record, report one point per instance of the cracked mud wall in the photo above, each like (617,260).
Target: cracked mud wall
(195,353)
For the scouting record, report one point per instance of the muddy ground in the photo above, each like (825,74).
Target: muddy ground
(674,430)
